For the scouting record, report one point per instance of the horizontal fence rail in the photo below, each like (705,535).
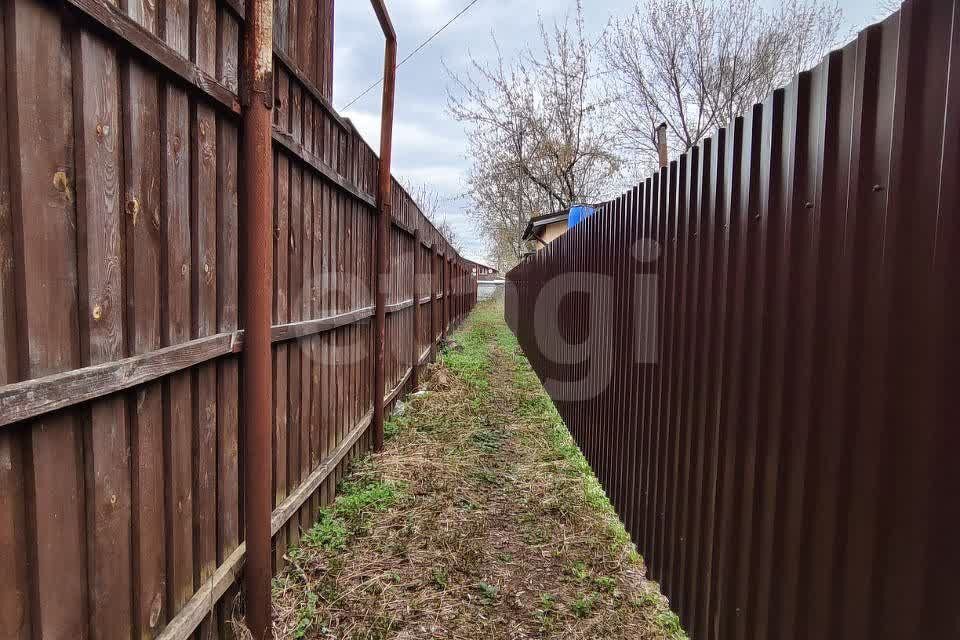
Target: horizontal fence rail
(121,434)
(752,347)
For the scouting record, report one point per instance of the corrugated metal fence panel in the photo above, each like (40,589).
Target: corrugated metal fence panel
(754,350)
(120,430)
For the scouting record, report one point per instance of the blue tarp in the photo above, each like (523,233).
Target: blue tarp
(577,213)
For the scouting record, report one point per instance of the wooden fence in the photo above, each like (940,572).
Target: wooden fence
(120,434)
(753,349)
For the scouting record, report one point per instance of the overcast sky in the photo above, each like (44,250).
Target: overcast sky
(429,145)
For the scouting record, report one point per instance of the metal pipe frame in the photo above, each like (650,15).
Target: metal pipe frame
(384,206)
(257,279)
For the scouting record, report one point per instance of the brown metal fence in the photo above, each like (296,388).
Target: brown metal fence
(753,349)
(121,438)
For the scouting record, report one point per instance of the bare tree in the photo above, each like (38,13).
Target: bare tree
(697,64)
(886,7)
(536,133)
(434,206)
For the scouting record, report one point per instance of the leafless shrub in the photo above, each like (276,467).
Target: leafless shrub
(536,134)
(435,207)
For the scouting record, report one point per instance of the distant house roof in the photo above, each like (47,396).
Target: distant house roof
(541,221)
(481,266)
(537,222)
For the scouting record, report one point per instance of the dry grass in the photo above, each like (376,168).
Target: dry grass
(480,520)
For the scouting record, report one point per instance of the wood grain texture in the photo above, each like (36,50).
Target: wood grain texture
(99,228)
(178,407)
(294,147)
(14,597)
(168,52)
(44,229)
(280,352)
(144,13)
(176,26)
(306,353)
(228,380)
(8,319)
(294,275)
(228,51)
(203,30)
(203,157)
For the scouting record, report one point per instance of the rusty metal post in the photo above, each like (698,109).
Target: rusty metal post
(415,373)
(384,223)
(257,205)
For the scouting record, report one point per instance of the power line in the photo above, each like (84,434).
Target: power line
(413,53)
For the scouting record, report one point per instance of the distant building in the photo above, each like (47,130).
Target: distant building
(483,271)
(542,230)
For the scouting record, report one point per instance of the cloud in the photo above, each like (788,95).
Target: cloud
(448,179)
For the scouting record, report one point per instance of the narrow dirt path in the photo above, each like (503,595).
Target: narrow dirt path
(481,519)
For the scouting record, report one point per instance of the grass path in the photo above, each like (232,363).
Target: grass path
(481,519)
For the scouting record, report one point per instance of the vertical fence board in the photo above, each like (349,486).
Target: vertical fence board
(228,370)
(42,197)
(176,311)
(203,155)
(281,245)
(99,229)
(14,600)
(142,206)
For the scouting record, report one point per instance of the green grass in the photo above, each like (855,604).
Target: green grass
(345,516)
(507,471)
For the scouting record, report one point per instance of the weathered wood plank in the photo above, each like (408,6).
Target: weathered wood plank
(203,155)
(36,397)
(203,35)
(292,146)
(227,574)
(228,380)
(228,52)
(280,23)
(294,274)
(281,110)
(8,321)
(291,506)
(178,409)
(143,12)
(306,353)
(100,260)
(176,26)
(14,597)
(307,39)
(292,45)
(280,352)
(399,306)
(316,343)
(170,53)
(44,231)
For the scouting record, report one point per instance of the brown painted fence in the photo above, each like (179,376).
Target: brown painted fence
(754,350)
(120,429)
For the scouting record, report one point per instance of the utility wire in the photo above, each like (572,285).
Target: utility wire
(413,53)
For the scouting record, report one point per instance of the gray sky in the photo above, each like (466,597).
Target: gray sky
(428,145)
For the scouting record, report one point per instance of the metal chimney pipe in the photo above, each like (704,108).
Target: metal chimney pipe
(662,144)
